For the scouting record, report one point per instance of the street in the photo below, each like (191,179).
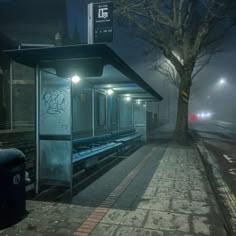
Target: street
(220,138)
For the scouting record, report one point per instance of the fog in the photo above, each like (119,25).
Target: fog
(207,93)
(214,88)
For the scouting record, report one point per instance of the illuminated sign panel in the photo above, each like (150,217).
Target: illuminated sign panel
(100,22)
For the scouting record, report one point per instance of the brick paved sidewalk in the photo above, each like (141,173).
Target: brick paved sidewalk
(178,201)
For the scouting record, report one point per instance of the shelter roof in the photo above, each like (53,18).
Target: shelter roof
(117,74)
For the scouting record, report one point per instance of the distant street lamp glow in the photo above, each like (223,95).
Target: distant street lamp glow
(222,81)
(75,79)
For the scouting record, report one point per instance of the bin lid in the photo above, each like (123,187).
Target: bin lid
(11,156)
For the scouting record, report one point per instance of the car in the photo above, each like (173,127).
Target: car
(192,117)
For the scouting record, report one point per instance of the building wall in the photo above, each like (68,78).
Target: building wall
(23,96)
(4,83)
(2,100)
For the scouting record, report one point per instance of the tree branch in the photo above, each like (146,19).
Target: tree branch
(201,66)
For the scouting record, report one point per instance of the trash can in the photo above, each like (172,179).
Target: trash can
(12,187)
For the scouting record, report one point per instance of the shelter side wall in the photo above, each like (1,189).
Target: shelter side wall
(100,111)
(126,118)
(105,112)
(54,159)
(140,118)
(152,118)
(82,111)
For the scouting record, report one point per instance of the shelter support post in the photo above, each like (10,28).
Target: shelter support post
(37,94)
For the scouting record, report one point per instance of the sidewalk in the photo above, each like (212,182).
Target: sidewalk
(177,201)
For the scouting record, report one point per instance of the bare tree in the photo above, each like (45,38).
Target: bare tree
(166,68)
(187,32)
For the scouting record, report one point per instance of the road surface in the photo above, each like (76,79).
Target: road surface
(220,138)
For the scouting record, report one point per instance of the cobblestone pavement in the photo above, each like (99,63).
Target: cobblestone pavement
(178,201)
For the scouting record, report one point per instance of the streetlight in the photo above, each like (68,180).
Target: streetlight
(222,81)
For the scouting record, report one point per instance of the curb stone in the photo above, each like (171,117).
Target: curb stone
(225,197)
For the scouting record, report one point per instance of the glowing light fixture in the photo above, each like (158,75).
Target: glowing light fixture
(109,91)
(138,102)
(128,98)
(75,79)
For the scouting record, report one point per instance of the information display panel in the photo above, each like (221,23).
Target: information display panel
(100,22)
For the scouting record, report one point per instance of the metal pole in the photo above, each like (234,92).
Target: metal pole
(168,104)
(11,97)
(71,133)
(132,108)
(90,24)
(106,111)
(118,111)
(146,126)
(37,125)
(93,111)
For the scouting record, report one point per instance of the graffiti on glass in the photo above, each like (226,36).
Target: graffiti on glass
(55,101)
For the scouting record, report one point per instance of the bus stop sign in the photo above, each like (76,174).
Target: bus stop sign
(100,22)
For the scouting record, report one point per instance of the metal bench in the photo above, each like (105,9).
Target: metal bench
(126,136)
(90,149)
(129,138)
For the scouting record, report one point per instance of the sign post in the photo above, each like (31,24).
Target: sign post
(100,22)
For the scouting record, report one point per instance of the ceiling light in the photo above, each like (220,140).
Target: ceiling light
(109,91)
(75,79)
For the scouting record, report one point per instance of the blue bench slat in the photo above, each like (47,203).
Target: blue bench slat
(129,138)
(118,133)
(93,146)
(84,141)
(94,151)
(89,141)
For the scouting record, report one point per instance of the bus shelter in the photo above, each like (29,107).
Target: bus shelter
(66,110)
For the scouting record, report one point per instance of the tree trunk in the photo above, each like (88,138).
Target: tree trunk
(181,129)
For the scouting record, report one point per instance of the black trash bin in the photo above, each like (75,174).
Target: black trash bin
(12,187)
